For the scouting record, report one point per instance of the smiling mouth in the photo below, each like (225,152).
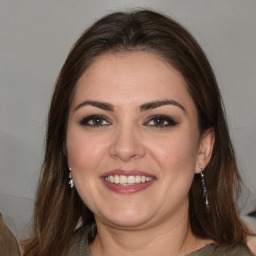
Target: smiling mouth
(127,180)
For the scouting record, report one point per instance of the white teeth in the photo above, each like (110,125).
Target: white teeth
(111,179)
(131,179)
(123,179)
(138,179)
(116,179)
(127,180)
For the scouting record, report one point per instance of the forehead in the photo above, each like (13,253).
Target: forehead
(126,76)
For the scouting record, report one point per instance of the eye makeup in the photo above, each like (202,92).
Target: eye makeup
(161,121)
(94,121)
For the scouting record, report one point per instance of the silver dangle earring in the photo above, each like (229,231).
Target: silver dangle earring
(71,182)
(204,188)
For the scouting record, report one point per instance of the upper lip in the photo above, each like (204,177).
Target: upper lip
(126,173)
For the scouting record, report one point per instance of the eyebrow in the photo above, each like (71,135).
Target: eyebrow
(98,104)
(143,107)
(157,104)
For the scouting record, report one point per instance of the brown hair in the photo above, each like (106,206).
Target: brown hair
(8,242)
(58,208)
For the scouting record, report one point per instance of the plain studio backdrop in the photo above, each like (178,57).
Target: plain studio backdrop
(35,38)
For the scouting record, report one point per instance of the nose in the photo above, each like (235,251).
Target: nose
(127,144)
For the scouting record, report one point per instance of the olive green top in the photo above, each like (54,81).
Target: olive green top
(79,247)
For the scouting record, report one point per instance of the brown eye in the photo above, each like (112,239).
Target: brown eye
(161,121)
(94,120)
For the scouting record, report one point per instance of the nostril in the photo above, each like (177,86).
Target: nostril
(127,148)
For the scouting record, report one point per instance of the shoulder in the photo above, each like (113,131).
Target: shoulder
(238,250)
(79,243)
(223,250)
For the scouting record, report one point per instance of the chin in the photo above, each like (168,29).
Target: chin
(128,223)
(128,219)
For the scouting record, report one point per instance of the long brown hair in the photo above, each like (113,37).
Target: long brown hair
(59,208)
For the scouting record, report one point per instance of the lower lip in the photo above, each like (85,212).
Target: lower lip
(128,189)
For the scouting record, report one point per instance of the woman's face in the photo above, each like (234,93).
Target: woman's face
(133,140)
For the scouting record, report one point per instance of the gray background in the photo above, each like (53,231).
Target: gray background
(35,38)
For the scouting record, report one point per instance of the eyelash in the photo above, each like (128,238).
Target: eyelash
(90,121)
(163,121)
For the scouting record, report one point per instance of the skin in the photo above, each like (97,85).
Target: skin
(129,139)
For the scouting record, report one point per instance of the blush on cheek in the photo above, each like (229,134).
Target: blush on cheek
(79,156)
(76,150)
(85,152)
(177,149)
(179,161)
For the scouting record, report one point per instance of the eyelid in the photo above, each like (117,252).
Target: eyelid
(171,121)
(85,121)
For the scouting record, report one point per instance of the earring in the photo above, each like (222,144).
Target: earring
(71,182)
(204,188)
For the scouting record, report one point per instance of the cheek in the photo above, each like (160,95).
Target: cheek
(176,154)
(84,152)
(177,150)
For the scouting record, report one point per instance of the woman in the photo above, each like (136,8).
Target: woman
(137,150)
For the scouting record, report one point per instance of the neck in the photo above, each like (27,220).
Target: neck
(161,239)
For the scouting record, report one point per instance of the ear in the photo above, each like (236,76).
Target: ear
(205,149)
